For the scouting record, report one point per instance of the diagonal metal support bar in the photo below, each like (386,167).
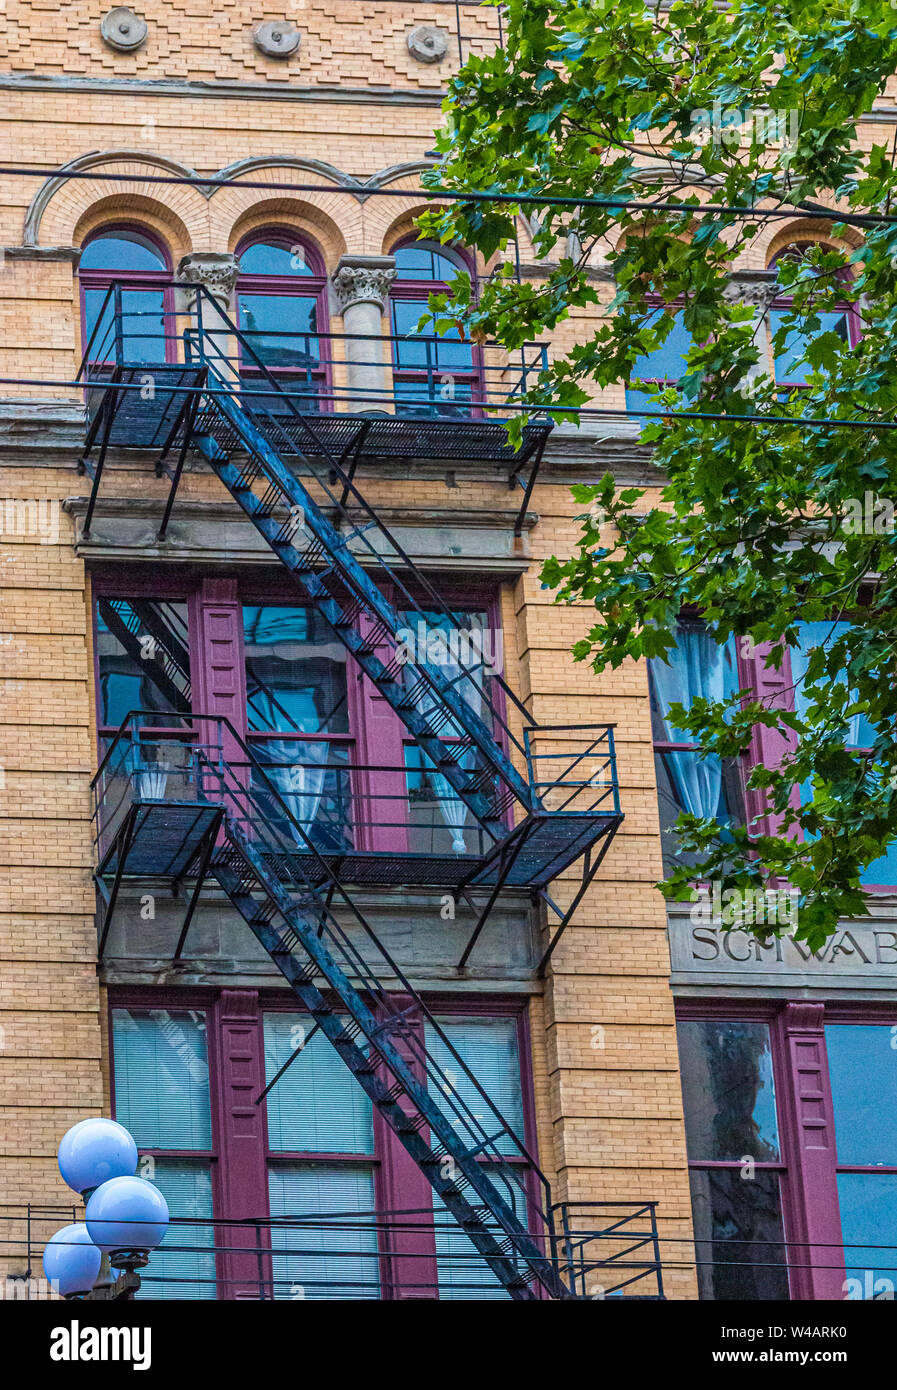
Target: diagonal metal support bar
(530,484)
(110,405)
(188,416)
(507,858)
(351,457)
(123,841)
(205,856)
(287,1064)
(589,869)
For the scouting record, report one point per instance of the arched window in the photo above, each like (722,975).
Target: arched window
(789,363)
(431,376)
(126,297)
(282,309)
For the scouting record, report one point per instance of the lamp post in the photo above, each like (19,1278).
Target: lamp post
(126,1216)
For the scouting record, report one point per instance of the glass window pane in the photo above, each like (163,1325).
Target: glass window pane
(281,329)
(711,787)
(162,1077)
(697,667)
(422,263)
(489,1048)
(739,1242)
(462,1271)
(313,780)
(143,655)
(142,326)
(790,364)
(188,1272)
(295,672)
(667,362)
(334,1263)
(868,1203)
(317,1105)
(863,1068)
(269,258)
(859,732)
(435,399)
(728,1090)
(122,251)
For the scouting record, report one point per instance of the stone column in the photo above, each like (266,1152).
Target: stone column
(756,288)
(217,273)
(362,286)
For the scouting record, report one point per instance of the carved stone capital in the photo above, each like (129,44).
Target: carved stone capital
(363,279)
(754,287)
(216,271)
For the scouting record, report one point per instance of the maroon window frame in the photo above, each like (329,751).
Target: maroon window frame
(428,374)
(99,281)
(810,1165)
(241,1152)
(376,737)
(305,380)
(783,303)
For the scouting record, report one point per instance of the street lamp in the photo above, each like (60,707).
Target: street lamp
(72,1261)
(93,1151)
(126,1216)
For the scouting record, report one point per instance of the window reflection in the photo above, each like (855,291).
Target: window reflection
(739,1240)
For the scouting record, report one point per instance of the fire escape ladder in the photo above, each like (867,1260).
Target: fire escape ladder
(324,563)
(293,921)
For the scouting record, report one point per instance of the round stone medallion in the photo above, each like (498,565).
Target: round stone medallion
(427,43)
(277,39)
(121,28)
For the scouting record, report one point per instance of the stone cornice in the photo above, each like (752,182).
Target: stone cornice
(245,91)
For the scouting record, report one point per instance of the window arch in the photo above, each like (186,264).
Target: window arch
(431,376)
(125,268)
(789,365)
(282,310)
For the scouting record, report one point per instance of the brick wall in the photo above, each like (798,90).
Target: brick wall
(608,1100)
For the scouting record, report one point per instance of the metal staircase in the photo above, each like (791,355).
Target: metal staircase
(211,815)
(464,1159)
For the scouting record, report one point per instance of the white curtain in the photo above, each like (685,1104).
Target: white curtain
(301,781)
(150,779)
(697,667)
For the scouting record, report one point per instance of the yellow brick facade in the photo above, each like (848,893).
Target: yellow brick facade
(608,1097)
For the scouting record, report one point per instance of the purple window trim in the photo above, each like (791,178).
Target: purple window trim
(810,1210)
(181,1000)
(770,746)
(398,1182)
(418,292)
(376,734)
(784,302)
(137,279)
(312,286)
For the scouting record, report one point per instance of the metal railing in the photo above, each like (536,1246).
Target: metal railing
(609,1249)
(341,804)
(325,799)
(372,1255)
(428,375)
(572,768)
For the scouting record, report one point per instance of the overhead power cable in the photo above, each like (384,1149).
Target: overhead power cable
(358,188)
(498,407)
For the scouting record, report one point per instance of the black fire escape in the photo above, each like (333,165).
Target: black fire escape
(535,800)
